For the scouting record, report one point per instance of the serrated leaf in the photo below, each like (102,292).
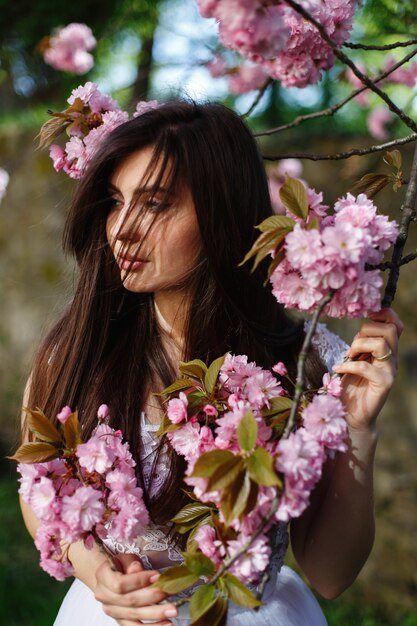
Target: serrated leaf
(50,130)
(208,463)
(178,385)
(175,579)
(225,474)
(371,184)
(35,452)
(278,258)
(40,425)
(213,373)
(190,512)
(72,431)
(293,195)
(195,368)
(276,223)
(393,158)
(264,244)
(198,563)
(201,600)
(215,615)
(238,593)
(261,470)
(266,251)
(240,502)
(247,431)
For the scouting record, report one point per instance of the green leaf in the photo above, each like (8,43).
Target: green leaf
(208,463)
(277,405)
(371,184)
(195,368)
(201,600)
(238,593)
(198,563)
(276,223)
(225,474)
(264,244)
(293,195)
(178,385)
(261,468)
(72,434)
(42,427)
(190,512)
(213,373)
(215,615)
(240,503)
(175,579)
(35,452)
(247,431)
(278,258)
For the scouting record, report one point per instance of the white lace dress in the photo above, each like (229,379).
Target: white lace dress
(287,600)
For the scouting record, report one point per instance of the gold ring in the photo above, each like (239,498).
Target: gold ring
(385,357)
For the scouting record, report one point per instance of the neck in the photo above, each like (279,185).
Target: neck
(171,314)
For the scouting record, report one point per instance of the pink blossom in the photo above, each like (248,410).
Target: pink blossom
(303,247)
(68,49)
(143,106)
(332,385)
(42,498)
(260,388)
(95,455)
(57,155)
(177,409)
(30,474)
(123,488)
(130,522)
(246,78)
(83,509)
(280,368)
(4,181)
(250,565)
(209,410)
(91,96)
(300,458)
(206,540)
(186,440)
(377,120)
(324,419)
(64,414)
(217,66)
(103,412)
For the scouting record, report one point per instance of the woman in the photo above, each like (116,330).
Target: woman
(158,226)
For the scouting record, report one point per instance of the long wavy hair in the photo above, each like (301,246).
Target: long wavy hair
(107,347)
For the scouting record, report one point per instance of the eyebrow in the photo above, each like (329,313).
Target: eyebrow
(139,189)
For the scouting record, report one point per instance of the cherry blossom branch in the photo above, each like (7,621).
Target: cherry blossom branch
(259,95)
(343,155)
(388,46)
(347,61)
(329,111)
(300,382)
(408,212)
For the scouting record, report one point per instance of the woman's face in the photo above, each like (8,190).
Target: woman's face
(155,241)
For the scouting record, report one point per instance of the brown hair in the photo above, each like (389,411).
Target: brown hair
(106,348)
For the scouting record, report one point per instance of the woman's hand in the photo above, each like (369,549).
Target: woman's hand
(127,597)
(369,373)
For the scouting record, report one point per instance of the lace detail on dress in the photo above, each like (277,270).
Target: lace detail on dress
(331,347)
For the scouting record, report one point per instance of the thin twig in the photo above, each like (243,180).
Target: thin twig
(388,46)
(347,61)
(387,265)
(408,212)
(300,382)
(259,95)
(329,111)
(343,155)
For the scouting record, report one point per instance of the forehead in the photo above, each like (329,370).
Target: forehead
(132,170)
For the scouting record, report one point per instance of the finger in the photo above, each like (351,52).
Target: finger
(162,612)
(373,346)
(383,377)
(129,622)
(137,598)
(133,567)
(388,316)
(376,329)
(120,583)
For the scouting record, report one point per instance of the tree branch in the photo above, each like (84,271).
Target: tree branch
(347,61)
(329,111)
(300,382)
(387,265)
(408,212)
(259,95)
(388,46)
(343,155)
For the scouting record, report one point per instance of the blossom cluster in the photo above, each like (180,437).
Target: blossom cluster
(90,117)
(335,256)
(68,49)
(79,494)
(243,388)
(279,40)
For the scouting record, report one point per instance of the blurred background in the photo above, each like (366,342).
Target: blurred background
(145,50)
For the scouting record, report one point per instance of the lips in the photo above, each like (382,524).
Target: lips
(130,263)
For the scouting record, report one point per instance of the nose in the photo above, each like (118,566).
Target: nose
(126,224)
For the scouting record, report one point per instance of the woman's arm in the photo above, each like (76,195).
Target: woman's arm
(333,538)
(126,594)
